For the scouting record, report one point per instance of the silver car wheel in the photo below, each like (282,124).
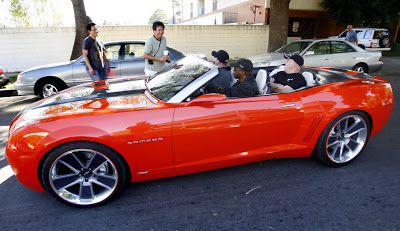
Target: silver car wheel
(49,90)
(83,177)
(359,69)
(347,139)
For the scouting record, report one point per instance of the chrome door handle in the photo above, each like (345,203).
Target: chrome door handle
(289,105)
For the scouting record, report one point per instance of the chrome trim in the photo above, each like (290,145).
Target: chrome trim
(150,96)
(289,105)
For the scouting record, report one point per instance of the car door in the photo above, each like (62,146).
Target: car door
(343,55)
(321,57)
(234,131)
(132,63)
(112,51)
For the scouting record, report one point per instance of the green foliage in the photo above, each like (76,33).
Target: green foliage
(19,12)
(372,13)
(394,51)
(23,11)
(158,15)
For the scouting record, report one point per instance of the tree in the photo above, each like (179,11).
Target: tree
(19,13)
(278,24)
(373,13)
(81,20)
(158,15)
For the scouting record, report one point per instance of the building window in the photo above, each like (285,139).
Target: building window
(215,5)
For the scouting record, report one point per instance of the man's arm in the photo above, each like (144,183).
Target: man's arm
(161,59)
(106,62)
(279,88)
(86,59)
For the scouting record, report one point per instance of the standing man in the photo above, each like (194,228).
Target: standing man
(94,54)
(351,36)
(224,77)
(154,50)
(246,86)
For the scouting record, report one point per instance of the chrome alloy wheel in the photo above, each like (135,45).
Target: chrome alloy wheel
(83,177)
(347,139)
(49,90)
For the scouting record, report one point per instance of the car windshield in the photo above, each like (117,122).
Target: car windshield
(165,84)
(294,47)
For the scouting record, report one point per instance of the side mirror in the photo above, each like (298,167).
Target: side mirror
(309,53)
(208,98)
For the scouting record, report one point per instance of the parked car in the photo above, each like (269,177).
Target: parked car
(82,146)
(324,53)
(370,38)
(125,59)
(3,80)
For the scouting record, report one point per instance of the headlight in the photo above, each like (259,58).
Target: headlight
(19,78)
(261,64)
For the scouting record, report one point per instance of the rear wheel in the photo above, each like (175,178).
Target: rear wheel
(361,68)
(343,139)
(83,174)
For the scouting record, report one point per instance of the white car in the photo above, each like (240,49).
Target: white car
(370,38)
(335,53)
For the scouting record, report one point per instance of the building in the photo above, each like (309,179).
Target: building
(306,17)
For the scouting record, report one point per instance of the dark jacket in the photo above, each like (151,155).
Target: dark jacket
(224,77)
(247,88)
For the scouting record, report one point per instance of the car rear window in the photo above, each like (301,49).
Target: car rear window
(379,33)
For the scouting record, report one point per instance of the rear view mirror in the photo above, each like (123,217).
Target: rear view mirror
(208,98)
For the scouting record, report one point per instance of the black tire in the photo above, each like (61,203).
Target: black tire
(343,139)
(361,67)
(384,41)
(50,87)
(83,174)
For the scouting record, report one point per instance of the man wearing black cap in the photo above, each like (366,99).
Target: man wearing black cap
(224,77)
(290,79)
(246,86)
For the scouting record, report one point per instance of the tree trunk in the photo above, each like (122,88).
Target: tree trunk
(278,24)
(81,20)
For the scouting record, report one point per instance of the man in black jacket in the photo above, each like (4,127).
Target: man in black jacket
(246,86)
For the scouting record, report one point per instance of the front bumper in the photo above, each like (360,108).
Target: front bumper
(24,89)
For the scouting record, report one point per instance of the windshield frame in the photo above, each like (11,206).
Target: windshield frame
(280,50)
(187,88)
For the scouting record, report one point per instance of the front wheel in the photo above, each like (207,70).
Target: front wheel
(83,174)
(343,139)
(361,68)
(50,87)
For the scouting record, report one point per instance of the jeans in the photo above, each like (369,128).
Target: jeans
(98,74)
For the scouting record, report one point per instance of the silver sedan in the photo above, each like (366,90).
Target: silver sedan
(125,60)
(324,53)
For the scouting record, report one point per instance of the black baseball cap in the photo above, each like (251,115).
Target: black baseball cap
(221,55)
(245,64)
(296,58)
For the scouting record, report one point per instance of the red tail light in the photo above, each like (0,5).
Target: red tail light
(370,45)
(1,71)
(380,58)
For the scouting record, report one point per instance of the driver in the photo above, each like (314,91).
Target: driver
(290,79)
(246,86)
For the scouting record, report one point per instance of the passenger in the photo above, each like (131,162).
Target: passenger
(224,77)
(246,86)
(290,79)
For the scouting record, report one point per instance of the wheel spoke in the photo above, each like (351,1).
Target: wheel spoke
(72,162)
(86,191)
(62,182)
(96,161)
(105,181)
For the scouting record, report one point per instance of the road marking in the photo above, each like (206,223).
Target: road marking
(5,173)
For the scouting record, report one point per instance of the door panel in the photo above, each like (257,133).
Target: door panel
(132,63)
(217,134)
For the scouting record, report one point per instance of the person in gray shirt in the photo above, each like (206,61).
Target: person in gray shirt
(351,35)
(224,77)
(154,50)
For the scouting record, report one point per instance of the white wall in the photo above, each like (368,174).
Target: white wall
(23,48)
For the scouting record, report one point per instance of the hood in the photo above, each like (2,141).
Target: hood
(49,66)
(84,99)
(274,59)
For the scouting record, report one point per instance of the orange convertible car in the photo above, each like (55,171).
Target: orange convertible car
(83,144)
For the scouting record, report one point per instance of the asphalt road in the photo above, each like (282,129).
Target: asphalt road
(285,194)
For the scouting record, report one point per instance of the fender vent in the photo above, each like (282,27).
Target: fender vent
(311,131)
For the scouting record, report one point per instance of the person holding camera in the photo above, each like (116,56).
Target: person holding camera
(155,50)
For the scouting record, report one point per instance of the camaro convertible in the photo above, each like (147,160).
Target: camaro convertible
(83,144)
